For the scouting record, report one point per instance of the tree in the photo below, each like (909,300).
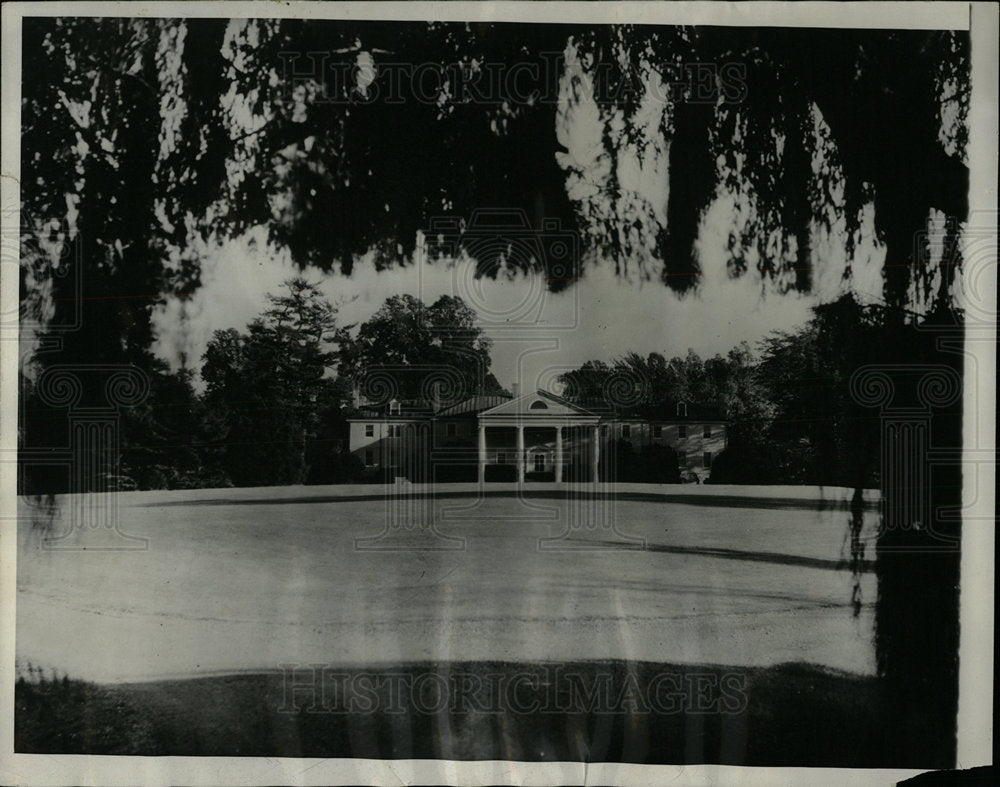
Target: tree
(587,383)
(410,351)
(321,144)
(105,214)
(807,375)
(271,388)
(633,380)
(637,382)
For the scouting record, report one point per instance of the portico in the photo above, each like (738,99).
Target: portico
(537,413)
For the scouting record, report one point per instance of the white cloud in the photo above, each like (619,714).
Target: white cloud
(537,334)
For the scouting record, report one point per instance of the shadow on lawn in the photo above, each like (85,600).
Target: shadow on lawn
(609,711)
(861,566)
(556,493)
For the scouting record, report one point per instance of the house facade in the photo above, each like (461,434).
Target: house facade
(535,436)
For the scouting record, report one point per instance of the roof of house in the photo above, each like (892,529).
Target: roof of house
(474,404)
(660,411)
(666,411)
(422,408)
(538,404)
(408,409)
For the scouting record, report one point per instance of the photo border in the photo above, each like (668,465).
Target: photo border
(976,653)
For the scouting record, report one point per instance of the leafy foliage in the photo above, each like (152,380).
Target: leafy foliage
(269,389)
(729,382)
(791,418)
(408,350)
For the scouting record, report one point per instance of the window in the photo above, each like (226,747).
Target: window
(369,430)
(501,458)
(626,431)
(397,430)
(451,430)
(707,459)
(657,431)
(369,458)
(682,431)
(538,405)
(682,409)
(393,407)
(707,432)
(604,430)
(539,463)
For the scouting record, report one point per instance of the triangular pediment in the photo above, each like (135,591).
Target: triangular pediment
(538,404)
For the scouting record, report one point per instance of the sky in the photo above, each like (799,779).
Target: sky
(537,334)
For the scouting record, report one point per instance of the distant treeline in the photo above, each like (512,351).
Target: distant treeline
(275,397)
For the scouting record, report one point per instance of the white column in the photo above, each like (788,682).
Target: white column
(559,455)
(482,453)
(520,454)
(596,453)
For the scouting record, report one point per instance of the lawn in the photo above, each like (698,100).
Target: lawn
(235,587)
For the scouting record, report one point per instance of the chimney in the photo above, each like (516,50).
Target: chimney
(515,389)
(356,395)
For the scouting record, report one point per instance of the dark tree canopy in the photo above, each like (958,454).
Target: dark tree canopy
(347,139)
(270,388)
(410,351)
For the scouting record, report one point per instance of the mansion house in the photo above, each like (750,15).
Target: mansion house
(536,436)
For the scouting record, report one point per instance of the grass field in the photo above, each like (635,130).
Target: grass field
(191,633)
